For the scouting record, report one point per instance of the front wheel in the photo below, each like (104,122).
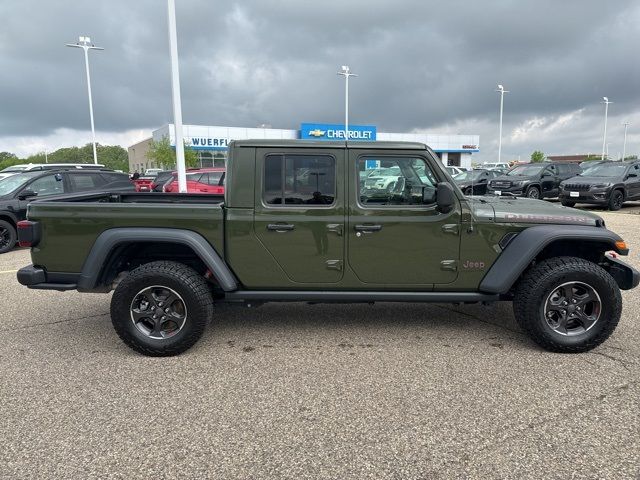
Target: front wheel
(616,200)
(568,304)
(8,236)
(161,308)
(533,192)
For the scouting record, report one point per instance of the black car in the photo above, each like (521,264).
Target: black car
(475,182)
(609,184)
(534,180)
(18,190)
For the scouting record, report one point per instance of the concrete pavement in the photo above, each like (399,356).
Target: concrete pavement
(314,391)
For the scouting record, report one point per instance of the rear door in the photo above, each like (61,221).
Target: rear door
(394,237)
(300,212)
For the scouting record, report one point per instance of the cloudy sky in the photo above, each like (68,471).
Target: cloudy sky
(424,66)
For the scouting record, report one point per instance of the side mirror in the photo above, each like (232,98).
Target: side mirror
(445,197)
(26,194)
(632,175)
(546,174)
(482,180)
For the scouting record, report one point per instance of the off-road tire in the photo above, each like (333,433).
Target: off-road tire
(9,238)
(536,285)
(534,192)
(568,204)
(185,281)
(616,199)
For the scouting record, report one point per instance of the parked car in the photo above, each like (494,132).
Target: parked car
(29,167)
(382,178)
(609,184)
(500,165)
(152,172)
(18,190)
(143,183)
(161,178)
(534,180)
(204,180)
(474,182)
(283,235)
(454,170)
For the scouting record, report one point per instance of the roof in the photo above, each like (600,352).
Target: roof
(327,144)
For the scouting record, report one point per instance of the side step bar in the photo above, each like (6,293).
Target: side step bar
(347,297)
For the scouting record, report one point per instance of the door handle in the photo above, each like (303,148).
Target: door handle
(368,228)
(280,227)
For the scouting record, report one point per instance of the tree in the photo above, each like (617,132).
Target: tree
(164,155)
(537,157)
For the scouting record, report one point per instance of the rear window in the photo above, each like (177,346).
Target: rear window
(299,180)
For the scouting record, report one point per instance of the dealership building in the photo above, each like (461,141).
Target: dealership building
(211,143)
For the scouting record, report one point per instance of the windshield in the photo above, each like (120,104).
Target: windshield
(12,183)
(468,176)
(526,170)
(16,168)
(605,170)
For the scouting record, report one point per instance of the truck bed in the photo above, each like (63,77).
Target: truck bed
(70,225)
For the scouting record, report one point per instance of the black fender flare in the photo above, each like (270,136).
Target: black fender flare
(11,216)
(524,248)
(109,239)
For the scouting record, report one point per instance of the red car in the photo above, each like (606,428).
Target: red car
(204,180)
(143,184)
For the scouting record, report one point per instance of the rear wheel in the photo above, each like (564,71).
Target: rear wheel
(616,200)
(533,192)
(8,236)
(568,304)
(161,308)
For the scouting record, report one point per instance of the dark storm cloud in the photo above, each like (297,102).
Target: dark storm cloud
(422,65)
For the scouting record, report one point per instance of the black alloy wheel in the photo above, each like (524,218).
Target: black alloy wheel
(8,236)
(533,192)
(616,200)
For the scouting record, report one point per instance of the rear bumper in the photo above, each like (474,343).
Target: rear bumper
(37,278)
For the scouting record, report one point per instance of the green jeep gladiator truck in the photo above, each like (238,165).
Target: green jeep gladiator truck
(299,222)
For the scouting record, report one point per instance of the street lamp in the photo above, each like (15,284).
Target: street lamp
(502,92)
(624,145)
(85,44)
(606,102)
(346,72)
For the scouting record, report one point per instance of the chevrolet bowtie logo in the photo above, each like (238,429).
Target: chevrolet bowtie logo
(317,133)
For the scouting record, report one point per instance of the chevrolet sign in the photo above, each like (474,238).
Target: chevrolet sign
(324,131)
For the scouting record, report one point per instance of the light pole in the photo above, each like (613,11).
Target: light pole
(502,92)
(346,72)
(624,145)
(85,44)
(606,102)
(175,93)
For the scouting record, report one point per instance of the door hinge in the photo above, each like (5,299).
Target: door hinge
(334,265)
(451,228)
(335,228)
(449,265)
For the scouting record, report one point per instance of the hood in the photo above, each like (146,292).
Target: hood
(526,210)
(591,180)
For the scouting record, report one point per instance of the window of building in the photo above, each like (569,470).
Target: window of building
(299,180)
(396,181)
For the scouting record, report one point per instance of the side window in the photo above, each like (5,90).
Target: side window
(299,180)
(212,178)
(396,181)
(49,185)
(84,182)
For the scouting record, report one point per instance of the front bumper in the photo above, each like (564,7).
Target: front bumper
(38,279)
(625,275)
(509,192)
(595,197)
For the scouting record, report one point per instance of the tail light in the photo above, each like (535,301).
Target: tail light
(28,233)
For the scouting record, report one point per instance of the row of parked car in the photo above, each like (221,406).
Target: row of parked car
(199,180)
(605,183)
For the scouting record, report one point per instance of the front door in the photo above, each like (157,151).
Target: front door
(300,213)
(549,182)
(396,235)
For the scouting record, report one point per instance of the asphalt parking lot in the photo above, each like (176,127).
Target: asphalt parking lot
(314,391)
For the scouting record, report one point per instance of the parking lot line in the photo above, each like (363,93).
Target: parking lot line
(8,271)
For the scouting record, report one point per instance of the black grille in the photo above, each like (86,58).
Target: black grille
(576,187)
(500,184)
